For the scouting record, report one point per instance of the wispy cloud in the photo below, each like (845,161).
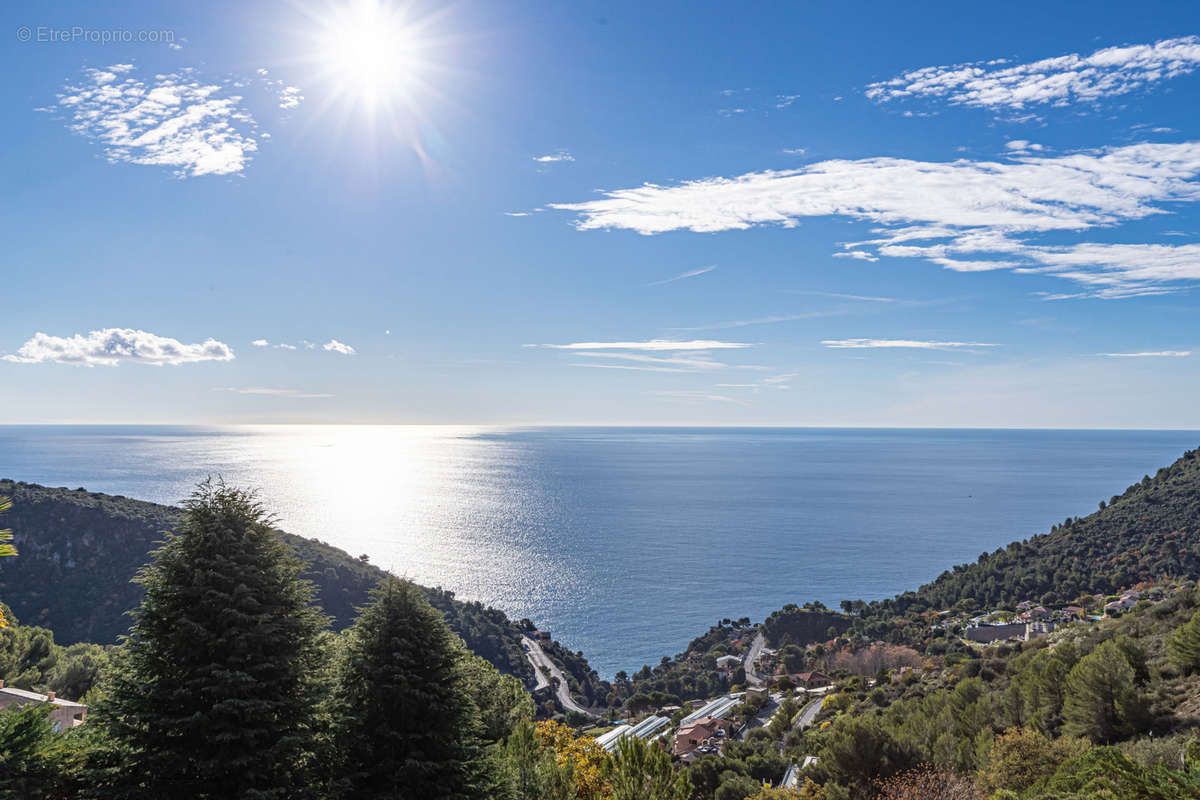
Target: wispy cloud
(767,320)
(911,344)
(261,343)
(693,362)
(699,397)
(681,276)
(1058,81)
(556,156)
(652,344)
(961,215)
(334,346)
(276,392)
(173,120)
(862,297)
(778,382)
(1154,354)
(110,346)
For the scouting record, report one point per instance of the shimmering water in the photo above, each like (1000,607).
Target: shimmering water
(627,542)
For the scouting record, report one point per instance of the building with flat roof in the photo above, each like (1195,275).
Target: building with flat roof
(64,714)
(714,708)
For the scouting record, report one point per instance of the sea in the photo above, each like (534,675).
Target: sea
(626,543)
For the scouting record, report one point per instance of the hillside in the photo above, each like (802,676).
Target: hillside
(79,550)
(1149,532)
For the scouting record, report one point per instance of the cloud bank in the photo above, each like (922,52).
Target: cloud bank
(110,346)
(1059,81)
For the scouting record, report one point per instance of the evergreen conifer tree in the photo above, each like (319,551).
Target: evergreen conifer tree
(214,692)
(1102,701)
(405,724)
(1183,645)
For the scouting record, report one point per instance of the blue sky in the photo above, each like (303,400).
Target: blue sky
(602,213)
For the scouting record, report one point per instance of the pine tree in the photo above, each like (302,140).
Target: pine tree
(405,724)
(1101,701)
(643,771)
(215,690)
(1183,645)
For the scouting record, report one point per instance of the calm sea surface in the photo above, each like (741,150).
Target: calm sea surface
(627,542)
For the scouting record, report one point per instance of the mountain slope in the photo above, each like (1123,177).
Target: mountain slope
(1151,531)
(78,551)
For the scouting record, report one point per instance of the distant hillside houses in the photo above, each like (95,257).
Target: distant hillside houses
(1033,620)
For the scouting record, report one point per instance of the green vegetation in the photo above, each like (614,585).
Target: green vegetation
(398,707)
(1149,532)
(402,711)
(80,550)
(214,693)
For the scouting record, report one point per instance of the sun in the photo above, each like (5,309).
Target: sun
(371,54)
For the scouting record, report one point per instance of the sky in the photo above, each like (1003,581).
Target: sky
(601,213)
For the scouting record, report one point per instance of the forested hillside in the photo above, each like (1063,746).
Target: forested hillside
(78,551)
(1149,532)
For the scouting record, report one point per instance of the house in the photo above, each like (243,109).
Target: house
(64,714)
(811,680)
(704,732)
(1036,629)
(729,663)
(1117,606)
(1074,612)
(757,692)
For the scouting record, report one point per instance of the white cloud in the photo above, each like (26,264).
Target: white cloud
(260,343)
(110,346)
(286,346)
(550,158)
(908,344)
(290,97)
(1059,81)
(334,346)
(1158,354)
(692,273)
(652,344)
(960,214)
(276,392)
(173,121)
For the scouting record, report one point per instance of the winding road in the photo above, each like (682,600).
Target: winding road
(751,656)
(809,713)
(538,658)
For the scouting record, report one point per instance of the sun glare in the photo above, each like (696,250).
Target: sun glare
(371,54)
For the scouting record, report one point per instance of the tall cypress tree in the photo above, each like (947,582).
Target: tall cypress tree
(406,727)
(215,690)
